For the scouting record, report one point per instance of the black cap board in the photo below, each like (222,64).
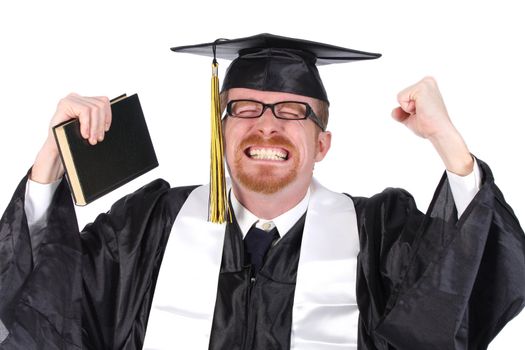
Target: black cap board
(276,63)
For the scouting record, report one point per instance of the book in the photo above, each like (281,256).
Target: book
(125,153)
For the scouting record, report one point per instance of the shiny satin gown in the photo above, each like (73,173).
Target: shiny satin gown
(423,281)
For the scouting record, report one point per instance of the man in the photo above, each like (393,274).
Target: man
(298,267)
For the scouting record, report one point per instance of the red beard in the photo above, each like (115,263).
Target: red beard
(265,178)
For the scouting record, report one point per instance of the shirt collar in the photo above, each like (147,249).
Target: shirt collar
(283,222)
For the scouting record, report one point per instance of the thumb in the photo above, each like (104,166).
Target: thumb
(399,114)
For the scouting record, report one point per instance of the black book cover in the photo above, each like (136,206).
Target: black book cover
(125,153)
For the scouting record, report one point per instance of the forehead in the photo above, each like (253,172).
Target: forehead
(267,96)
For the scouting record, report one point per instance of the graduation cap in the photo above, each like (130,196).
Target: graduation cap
(269,63)
(276,63)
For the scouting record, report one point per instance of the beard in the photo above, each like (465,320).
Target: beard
(265,178)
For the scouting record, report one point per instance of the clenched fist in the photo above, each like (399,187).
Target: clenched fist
(422,110)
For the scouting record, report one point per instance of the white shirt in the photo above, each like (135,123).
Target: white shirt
(283,222)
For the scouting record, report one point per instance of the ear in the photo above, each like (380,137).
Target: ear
(324,141)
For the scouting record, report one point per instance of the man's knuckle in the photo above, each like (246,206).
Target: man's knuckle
(64,101)
(429,81)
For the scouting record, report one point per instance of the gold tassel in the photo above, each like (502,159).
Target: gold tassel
(218,201)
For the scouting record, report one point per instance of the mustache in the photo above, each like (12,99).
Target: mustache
(274,141)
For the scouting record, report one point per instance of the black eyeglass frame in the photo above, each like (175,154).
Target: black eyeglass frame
(309,111)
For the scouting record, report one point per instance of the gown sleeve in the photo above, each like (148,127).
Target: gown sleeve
(40,295)
(433,281)
(90,290)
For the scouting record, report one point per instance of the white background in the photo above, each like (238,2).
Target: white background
(474,48)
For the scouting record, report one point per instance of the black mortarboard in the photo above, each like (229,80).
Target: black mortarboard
(276,63)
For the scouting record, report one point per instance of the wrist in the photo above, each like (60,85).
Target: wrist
(48,165)
(454,153)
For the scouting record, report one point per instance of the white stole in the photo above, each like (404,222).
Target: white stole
(325,311)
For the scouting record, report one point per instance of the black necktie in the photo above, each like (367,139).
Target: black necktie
(256,244)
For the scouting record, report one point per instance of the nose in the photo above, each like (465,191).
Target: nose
(267,123)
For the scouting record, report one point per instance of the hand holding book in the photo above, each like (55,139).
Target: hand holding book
(93,167)
(94,115)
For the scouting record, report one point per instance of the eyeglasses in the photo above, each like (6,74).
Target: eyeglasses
(287,110)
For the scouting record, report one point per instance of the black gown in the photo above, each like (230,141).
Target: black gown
(423,281)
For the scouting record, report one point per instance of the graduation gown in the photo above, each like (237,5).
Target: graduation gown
(423,281)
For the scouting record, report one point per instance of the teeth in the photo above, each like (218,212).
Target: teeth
(268,153)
